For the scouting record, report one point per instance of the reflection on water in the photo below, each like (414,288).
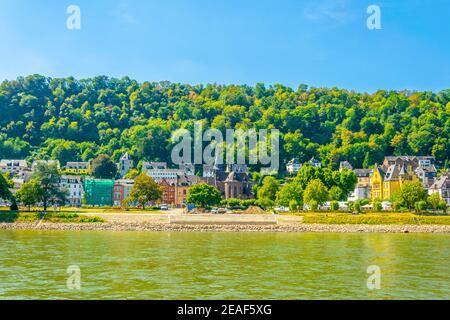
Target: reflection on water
(164,265)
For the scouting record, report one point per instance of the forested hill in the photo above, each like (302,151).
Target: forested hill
(70,120)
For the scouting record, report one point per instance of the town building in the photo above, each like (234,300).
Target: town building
(187,168)
(396,170)
(168,191)
(414,161)
(345,165)
(125,164)
(238,168)
(427,175)
(13,167)
(77,168)
(98,192)
(121,191)
(388,180)
(17,184)
(363,184)
(315,163)
(170,175)
(210,171)
(48,162)
(182,189)
(231,184)
(293,166)
(74,187)
(442,186)
(237,185)
(154,166)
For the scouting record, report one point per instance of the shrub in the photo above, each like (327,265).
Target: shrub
(233,203)
(443,205)
(377,206)
(421,206)
(334,205)
(264,203)
(313,205)
(248,203)
(293,205)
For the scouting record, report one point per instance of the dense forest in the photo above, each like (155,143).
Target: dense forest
(75,120)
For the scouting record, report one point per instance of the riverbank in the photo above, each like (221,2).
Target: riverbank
(285,227)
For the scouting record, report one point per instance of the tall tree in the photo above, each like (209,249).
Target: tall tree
(29,193)
(103,167)
(411,193)
(48,190)
(291,191)
(316,192)
(203,195)
(144,190)
(5,194)
(269,188)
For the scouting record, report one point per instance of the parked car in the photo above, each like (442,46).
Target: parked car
(164,207)
(221,210)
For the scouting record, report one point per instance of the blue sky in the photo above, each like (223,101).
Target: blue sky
(319,43)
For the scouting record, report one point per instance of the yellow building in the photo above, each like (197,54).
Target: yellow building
(388,180)
(77,168)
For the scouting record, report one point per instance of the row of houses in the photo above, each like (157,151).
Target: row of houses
(386,178)
(232,180)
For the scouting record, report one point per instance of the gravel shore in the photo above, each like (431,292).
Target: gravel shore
(146,226)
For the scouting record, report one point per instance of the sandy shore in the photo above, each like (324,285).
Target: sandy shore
(285,227)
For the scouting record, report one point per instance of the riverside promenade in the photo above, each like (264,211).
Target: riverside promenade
(176,221)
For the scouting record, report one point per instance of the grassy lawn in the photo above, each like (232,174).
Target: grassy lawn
(375,218)
(10,217)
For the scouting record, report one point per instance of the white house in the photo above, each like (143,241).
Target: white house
(359,193)
(153,165)
(74,187)
(13,167)
(170,175)
(442,186)
(293,166)
(49,162)
(315,163)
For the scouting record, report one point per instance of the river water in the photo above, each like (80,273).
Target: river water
(171,265)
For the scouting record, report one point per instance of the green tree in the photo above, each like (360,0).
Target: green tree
(315,193)
(421,206)
(290,192)
(334,205)
(434,200)
(144,190)
(48,190)
(29,193)
(412,192)
(203,195)
(132,174)
(5,193)
(103,167)
(336,193)
(293,205)
(269,188)
(377,206)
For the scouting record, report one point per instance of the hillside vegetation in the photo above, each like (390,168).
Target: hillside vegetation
(75,120)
